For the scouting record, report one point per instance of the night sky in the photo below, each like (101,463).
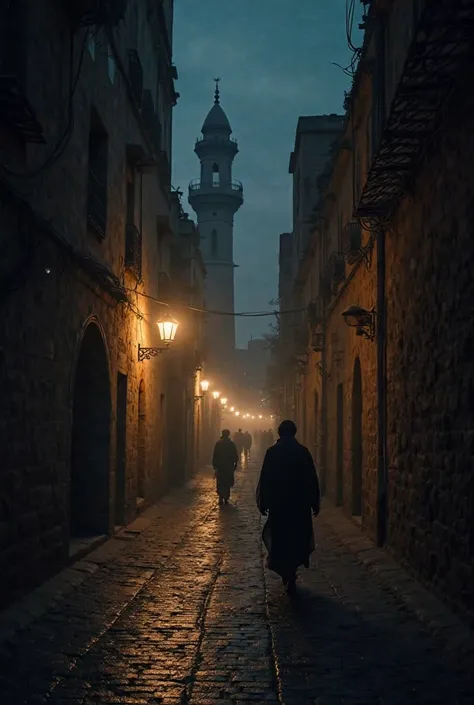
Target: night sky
(275,61)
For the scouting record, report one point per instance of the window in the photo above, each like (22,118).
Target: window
(111,65)
(133,238)
(97,177)
(91,43)
(215,174)
(214,244)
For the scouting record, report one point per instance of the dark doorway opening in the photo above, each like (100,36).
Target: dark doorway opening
(340,446)
(141,442)
(90,448)
(121,450)
(357,443)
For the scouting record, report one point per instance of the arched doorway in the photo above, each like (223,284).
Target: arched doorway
(90,439)
(357,446)
(141,442)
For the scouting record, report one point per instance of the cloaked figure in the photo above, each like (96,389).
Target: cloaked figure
(247,444)
(288,492)
(239,441)
(224,462)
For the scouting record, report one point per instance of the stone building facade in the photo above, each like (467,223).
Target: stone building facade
(392,237)
(86,235)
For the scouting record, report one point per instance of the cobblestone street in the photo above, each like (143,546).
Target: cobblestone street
(185,614)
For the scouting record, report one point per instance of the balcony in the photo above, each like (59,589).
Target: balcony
(133,250)
(97,205)
(16,111)
(198,185)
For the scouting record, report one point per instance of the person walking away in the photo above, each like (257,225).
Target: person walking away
(247,444)
(288,491)
(224,462)
(239,441)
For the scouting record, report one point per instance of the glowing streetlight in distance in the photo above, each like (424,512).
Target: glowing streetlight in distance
(216,394)
(232,408)
(237,413)
(224,401)
(205,385)
(260,417)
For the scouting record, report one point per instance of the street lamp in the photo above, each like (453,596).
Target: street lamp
(237,413)
(362,320)
(167,327)
(232,408)
(216,395)
(205,385)
(224,401)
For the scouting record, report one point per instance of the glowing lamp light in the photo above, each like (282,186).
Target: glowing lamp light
(237,413)
(205,385)
(167,327)
(223,401)
(216,395)
(260,417)
(232,408)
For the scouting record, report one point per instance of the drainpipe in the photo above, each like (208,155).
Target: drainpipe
(323,477)
(382,465)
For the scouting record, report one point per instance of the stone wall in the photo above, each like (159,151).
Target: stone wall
(430,293)
(344,347)
(49,297)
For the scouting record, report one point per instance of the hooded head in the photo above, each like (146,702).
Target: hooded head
(287,429)
(225,433)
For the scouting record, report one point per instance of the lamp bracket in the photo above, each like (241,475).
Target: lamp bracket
(148,353)
(198,397)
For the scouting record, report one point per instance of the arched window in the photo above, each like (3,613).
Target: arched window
(215,174)
(214,244)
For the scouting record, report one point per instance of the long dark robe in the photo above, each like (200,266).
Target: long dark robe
(288,490)
(224,462)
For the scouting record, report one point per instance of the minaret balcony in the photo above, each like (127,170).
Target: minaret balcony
(207,190)
(213,145)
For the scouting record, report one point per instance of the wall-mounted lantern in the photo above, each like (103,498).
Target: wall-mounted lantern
(224,401)
(216,395)
(204,384)
(362,320)
(167,327)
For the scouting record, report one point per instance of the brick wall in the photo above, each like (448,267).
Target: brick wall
(430,290)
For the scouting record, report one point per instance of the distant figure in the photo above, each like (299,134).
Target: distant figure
(247,444)
(224,462)
(288,490)
(239,441)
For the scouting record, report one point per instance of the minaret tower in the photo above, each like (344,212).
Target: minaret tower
(216,197)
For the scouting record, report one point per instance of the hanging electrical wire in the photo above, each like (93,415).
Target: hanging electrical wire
(66,135)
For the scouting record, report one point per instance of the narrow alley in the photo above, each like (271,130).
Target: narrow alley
(184,613)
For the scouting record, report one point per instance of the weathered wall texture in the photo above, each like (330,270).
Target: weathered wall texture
(56,414)
(430,290)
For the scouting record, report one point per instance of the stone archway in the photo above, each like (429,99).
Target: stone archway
(357,442)
(141,442)
(90,439)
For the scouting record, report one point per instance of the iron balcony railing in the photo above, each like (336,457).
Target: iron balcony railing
(97,205)
(133,250)
(197,184)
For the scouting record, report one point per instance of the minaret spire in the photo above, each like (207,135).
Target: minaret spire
(216,93)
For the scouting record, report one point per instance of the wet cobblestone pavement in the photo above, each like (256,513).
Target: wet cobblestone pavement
(185,614)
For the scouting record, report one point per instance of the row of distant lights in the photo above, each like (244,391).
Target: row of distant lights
(205,384)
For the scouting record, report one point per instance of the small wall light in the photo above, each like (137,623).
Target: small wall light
(362,320)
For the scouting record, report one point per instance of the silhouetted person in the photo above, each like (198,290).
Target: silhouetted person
(247,443)
(288,490)
(239,441)
(224,462)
